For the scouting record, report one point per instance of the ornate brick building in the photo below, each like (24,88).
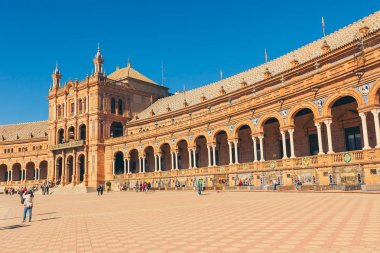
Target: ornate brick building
(311,115)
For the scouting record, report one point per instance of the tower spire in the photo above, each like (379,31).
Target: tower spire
(98,61)
(56,76)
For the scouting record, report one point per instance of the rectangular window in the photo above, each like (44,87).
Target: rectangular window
(353,138)
(313,144)
(72,108)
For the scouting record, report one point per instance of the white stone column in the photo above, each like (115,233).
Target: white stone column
(213,155)
(39,174)
(143,162)
(11,176)
(261,138)
(190,159)
(155,163)
(254,149)
(230,151)
(176,160)
(375,113)
(236,152)
(209,155)
(285,155)
(65,110)
(159,162)
(113,167)
(194,158)
(291,137)
(140,165)
(363,116)
(22,175)
(35,173)
(129,165)
(319,132)
(173,161)
(125,166)
(329,139)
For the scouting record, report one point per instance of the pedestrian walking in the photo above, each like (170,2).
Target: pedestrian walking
(28,204)
(200,187)
(98,190)
(137,186)
(101,190)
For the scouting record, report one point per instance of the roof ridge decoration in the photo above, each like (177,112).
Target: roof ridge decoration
(278,65)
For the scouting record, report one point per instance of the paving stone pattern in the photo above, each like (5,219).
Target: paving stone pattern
(185,222)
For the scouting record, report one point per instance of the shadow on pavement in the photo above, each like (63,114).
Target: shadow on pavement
(18,217)
(13,227)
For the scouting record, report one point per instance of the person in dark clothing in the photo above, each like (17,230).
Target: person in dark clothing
(101,189)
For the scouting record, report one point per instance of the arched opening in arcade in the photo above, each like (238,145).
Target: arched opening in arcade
(119,163)
(61,136)
(30,171)
(16,172)
(201,152)
(71,132)
(3,173)
(58,170)
(149,159)
(305,134)
(82,132)
(183,155)
(81,165)
(166,159)
(43,170)
(273,140)
(116,129)
(134,161)
(245,144)
(69,169)
(221,149)
(346,127)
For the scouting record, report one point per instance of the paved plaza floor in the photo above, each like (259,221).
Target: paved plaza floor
(185,222)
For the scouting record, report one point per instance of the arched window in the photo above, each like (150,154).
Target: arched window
(80,106)
(59,112)
(71,133)
(113,105)
(116,129)
(120,107)
(84,105)
(61,135)
(82,130)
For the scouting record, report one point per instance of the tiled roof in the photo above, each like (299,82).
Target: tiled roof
(254,75)
(129,72)
(23,131)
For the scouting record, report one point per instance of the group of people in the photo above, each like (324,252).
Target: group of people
(45,188)
(100,189)
(143,186)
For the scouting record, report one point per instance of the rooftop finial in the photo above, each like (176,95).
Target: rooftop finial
(129,62)
(265,55)
(56,71)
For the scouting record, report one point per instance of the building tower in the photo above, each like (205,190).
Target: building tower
(98,61)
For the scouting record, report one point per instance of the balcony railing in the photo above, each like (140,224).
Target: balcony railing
(70,144)
(337,159)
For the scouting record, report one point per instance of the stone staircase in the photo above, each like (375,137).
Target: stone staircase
(70,189)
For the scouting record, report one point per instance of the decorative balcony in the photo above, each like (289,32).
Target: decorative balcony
(66,145)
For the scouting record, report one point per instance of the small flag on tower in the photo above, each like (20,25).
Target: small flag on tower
(323,27)
(221,74)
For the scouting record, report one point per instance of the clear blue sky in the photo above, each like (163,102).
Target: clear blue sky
(194,39)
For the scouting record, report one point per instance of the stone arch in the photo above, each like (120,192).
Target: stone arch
(133,156)
(263,120)
(182,147)
(149,156)
(69,168)
(201,150)
(3,172)
(81,160)
(30,168)
(181,139)
(239,125)
(16,171)
(216,132)
(338,95)
(293,112)
(374,94)
(43,169)
(166,158)
(119,161)
(196,136)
